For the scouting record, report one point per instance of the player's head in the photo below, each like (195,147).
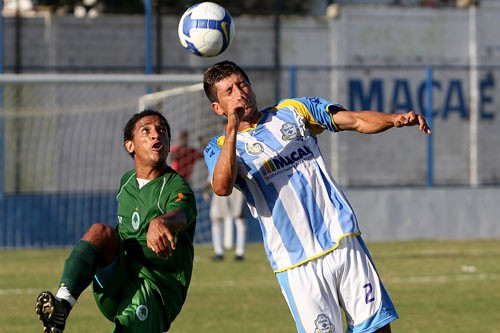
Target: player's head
(131,128)
(218,72)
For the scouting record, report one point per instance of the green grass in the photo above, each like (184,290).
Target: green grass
(437,286)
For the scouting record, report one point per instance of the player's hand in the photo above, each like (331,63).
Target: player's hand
(160,239)
(236,110)
(411,119)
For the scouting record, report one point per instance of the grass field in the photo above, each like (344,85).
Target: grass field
(445,286)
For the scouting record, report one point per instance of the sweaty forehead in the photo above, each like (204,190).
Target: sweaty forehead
(149,120)
(230,80)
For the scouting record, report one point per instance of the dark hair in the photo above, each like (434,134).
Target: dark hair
(218,72)
(128,131)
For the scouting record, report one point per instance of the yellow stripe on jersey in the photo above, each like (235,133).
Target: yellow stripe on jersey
(314,127)
(320,254)
(220,140)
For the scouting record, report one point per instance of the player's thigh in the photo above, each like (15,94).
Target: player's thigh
(362,295)
(311,293)
(141,309)
(108,285)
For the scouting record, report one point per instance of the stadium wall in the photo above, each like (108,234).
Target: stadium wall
(356,44)
(445,213)
(384,214)
(365,57)
(356,35)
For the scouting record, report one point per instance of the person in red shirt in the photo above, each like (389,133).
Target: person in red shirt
(183,157)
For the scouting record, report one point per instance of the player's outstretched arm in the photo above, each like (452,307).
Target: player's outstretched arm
(371,122)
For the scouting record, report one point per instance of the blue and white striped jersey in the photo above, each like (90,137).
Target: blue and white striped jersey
(282,174)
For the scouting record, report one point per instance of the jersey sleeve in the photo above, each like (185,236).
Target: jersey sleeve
(316,111)
(182,197)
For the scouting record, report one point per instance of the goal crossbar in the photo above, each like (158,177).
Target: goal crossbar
(100,78)
(146,100)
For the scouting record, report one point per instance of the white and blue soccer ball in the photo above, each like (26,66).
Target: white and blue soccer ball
(206,29)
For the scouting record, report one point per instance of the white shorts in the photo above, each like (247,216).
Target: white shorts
(231,206)
(344,278)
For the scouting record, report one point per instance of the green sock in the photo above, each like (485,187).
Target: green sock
(79,268)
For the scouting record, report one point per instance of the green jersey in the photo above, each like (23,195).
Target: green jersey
(136,208)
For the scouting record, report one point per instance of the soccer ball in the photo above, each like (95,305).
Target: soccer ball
(206,29)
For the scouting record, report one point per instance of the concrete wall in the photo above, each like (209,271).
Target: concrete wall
(367,57)
(421,213)
(361,38)
(359,35)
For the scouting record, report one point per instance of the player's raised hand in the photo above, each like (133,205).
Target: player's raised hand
(412,119)
(236,110)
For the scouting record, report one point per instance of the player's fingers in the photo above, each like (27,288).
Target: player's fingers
(171,240)
(150,245)
(403,121)
(165,245)
(423,125)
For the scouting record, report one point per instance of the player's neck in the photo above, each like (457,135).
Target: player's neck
(150,173)
(250,122)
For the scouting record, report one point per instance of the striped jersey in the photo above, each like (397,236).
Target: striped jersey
(301,209)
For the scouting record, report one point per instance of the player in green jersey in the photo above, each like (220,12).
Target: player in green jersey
(140,270)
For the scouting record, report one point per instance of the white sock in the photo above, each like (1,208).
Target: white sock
(63,293)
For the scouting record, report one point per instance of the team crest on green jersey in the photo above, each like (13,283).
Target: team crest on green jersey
(290,131)
(142,312)
(136,220)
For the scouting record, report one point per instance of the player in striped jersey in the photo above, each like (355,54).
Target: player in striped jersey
(311,235)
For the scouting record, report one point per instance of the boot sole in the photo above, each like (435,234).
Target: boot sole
(45,310)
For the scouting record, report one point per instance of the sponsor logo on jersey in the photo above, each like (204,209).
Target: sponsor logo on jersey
(284,163)
(290,131)
(142,312)
(254,148)
(136,220)
(323,325)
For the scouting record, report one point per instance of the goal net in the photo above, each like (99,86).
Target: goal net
(61,148)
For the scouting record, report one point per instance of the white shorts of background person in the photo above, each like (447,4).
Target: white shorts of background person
(343,278)
(223,212)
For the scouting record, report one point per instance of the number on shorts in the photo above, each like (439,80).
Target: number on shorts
(369,290)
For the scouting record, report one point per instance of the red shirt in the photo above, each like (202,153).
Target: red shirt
(183,159)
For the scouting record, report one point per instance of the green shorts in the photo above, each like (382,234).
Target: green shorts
(131,303)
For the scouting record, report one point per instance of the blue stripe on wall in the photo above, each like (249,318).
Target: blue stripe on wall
(44,220)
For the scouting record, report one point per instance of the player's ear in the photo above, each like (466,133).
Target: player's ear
(129,146)
(217,109)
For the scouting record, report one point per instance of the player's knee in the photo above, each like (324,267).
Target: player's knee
(104,238)
(99,231)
